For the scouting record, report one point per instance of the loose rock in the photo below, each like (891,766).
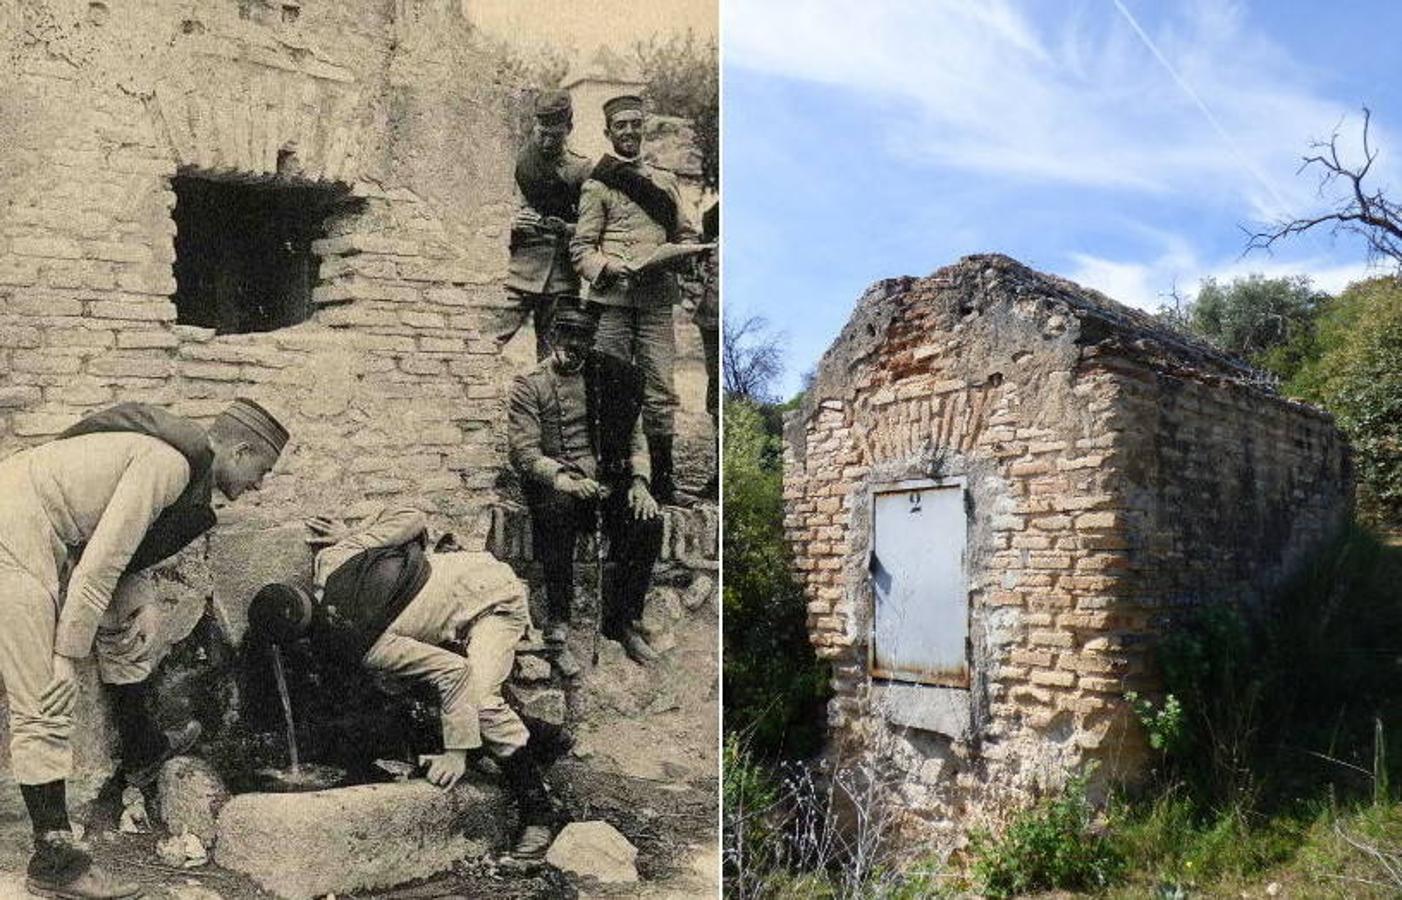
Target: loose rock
(594,850)
(191,795)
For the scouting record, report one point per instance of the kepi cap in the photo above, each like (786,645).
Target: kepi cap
(258,420)
(279,613)
(620,103)
(553,108)
(572,318)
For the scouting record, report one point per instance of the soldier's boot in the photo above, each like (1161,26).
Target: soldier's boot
(556,642)
(62,867)
(664,483)
(526,783)
(637,647)
(144,747)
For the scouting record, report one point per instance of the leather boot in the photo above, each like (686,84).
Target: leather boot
(524,779)
(62,867)
(664,483)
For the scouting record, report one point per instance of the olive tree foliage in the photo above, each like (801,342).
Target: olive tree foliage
(1268,321)
(682,74)
(1355,372)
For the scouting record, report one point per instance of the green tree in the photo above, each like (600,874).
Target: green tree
(1268,321)
(1356,374)
(774,685)
(682,73)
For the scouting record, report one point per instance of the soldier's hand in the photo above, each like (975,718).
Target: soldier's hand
(61,694)
(641,502)
(325,531)
(527,219)
(445,769)
(576,486)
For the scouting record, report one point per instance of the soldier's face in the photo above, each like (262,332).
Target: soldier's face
(571,347)
(551,138)
(625,132)
(241,468)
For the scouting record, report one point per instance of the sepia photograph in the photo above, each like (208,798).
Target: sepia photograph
(359,375)
(1063,450)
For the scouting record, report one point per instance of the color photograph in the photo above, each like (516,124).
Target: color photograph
(1063,371)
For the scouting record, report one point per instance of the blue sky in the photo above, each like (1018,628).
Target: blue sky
(891,137)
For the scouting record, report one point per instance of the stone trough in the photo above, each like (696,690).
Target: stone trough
(335,841)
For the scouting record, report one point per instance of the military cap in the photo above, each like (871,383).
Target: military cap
(279,613)
(258,420)
(553,108)
(620,103)
(572,318)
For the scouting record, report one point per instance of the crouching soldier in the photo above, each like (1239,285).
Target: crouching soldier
(382,601)
(131,486)
(578,445)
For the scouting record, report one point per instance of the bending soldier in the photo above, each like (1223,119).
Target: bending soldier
(577,442)
(548,179)
(627,210)
(132,485)
(385,603)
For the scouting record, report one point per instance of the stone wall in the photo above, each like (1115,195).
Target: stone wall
(1115,476)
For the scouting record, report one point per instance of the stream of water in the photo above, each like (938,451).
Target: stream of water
(286,707)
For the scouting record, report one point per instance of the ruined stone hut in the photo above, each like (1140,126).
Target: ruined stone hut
(1000,490)
(298,201)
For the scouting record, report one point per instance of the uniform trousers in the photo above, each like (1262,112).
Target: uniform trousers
(643,335)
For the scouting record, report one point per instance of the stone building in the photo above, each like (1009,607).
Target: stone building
(1000,489)
(298,201)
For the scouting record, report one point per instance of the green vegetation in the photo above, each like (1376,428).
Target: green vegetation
(1341,353)
(1052,846)
(774,686)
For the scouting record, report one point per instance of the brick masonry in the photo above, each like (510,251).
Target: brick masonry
(394,389)
(1117,474)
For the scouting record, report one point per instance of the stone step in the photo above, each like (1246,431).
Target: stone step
(366,837)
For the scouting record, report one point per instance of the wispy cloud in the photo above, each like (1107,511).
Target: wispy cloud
(1148,284)
(1200,103)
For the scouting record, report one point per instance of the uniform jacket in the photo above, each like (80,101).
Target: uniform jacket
(535,421)
(97,492)
(192,514)
(612,226)
(540,258)
(460,588)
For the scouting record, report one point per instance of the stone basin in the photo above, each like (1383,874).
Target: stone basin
(359,838)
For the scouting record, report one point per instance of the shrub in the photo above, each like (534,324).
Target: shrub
(1051,846)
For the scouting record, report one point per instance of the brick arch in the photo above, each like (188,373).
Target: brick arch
(237,115)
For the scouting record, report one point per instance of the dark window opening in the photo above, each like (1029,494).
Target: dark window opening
(243,256)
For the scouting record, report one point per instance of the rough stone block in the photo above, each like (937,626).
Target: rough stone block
(356,838)
(191,795)
(594,850)
(244,561)
(543,704)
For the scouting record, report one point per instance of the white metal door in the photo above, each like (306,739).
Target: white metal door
(921,619)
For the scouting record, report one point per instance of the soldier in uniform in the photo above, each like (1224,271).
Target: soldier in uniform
(130,486)
(627,209)
(577,442)
(548,179)
(385,602)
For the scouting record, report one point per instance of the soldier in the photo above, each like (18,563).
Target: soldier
(131,485)
(385,603)
(577,442)
(548,179)
(627,210)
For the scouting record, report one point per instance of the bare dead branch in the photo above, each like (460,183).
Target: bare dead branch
(1362,210)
